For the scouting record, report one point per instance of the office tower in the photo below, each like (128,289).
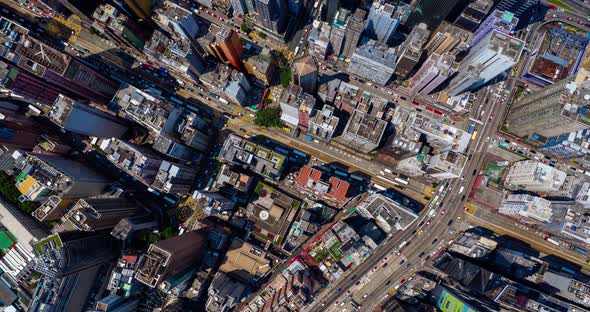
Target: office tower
(501,21)
(527,11)
(411,51)
(374,61)
(116,303)
(67,253)
(224,293)
(337,31)
(353,31)
(431,12)
(44,175)
(150,168)
(305,73)
(272,14)
(534,176)
(473,14)
(493,55)
(169,257)
(19,132)
(381,22)
(95,214)
(83,119)
(448,38)
(331,8)
(231,46)
(435,70)
(554,110)
(294,6)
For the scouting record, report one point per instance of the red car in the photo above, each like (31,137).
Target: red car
(428,108)
(416,103)
(402,281)
(428,222)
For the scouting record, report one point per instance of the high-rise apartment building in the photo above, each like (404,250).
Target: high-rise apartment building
(501,21)
(150,168)
(230,45)
(435,70)
(473,14)
(353,31)
(373,61)
(448,38)
(168,258)
(319,40)
(305,73)
(86,120)
(412,50)
(331,8)
(447,165)
(381,22)
(491,56)
(554,110)
(337,31)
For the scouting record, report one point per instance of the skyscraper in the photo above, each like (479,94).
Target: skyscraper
(272,14)
(491,56)
(84,119)
(353,31)
(502,21)
(381,22)
(527,11)
(435,70)
(44,175)
(231,46)
(431,12)
(448,38)
(473,14)
(331,8)
(169,257)
(374,61)
(66,253)
(554,110)
(412,50)
(305,73)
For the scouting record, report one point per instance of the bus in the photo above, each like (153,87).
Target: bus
(474,135)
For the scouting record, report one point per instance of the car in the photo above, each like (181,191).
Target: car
(420,232)
(402,281)
(384,259)
(443,211)
(388,282)
(569,18)
(414,232)
(421,254)
(374,269)
(450,222)
(365,296)
(421,223)
(347,292)
(491,117)
(339,290)
(336,303)
(434,241)
(324,304)
(384,265)
(402,262)
(428,222)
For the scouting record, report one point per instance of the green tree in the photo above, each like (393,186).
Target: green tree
(269,117)
(285,77)
(261,35)
(10,193)
(245,27)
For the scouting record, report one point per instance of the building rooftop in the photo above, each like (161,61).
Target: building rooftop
(327,187)
(527,206)
(366,127)
(272,213)
(377,52)
(473,245)
(305,65)
(261,160)
(388,214)
(245,261)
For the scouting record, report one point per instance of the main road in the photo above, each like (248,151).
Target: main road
(434,223)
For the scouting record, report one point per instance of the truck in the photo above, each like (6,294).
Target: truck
(213,95)
(580,250)
(474,135)
(461,189)
(402,245)
(553,241)
(471,128)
